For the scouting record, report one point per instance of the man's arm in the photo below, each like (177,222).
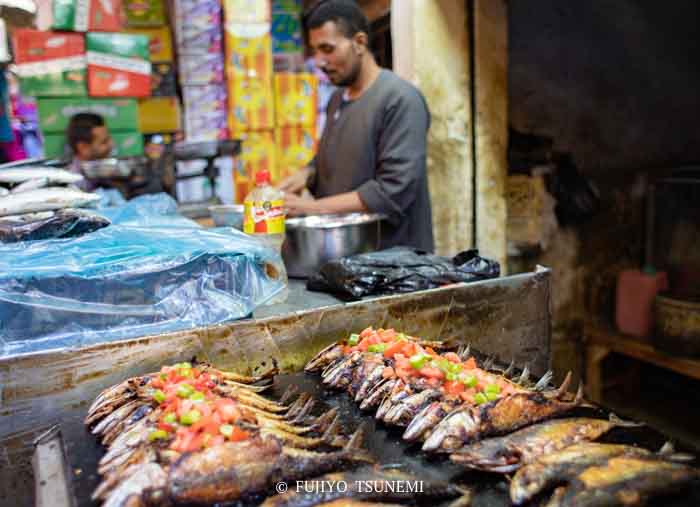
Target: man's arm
(348,202)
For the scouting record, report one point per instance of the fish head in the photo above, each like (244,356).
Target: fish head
(528,481)
(456,429)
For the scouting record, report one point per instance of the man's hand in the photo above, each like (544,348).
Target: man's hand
(295,183)
(296,205)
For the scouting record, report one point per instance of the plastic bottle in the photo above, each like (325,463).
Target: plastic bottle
(263,217)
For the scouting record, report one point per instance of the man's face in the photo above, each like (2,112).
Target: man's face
(335,54)
(100,147)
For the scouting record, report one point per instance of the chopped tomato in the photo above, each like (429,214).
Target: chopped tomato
(430,351)
(347,350)
(197,442)
(238,434)
(217,440)
(454,387)
(363,344)
(393,348)
(434,382)
(430,372)
(388,335)
(469,364)
(467,396)
(388,372)
(227,409)
(452,357)
(373,339)
(166,427)
(366,332)
(157,383)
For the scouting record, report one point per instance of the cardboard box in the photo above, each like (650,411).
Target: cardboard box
(145,13)
(296,97)
(50,63)
(160,43)
(249,51)
(196,15)
(159,114)
(288,62)
(209,126)
(201,41)
(126,144)
(118,65)
(163,79)
(201,69)
(296,148)
(205,99)
(251,105)
(258,152)
(286,33)
(246,11)
(54,114)
(84,15)
(286,6)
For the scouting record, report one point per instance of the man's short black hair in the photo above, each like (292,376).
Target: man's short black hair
(80,128)
(344,13)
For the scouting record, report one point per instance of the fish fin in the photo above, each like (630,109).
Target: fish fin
(357,438)
(668,451)
(465,353)
(524,376)
(288,394)
(488,363)
(622,423)
(332,430)
(306,410)
(324,421)
(298,404)
(542,383)
(508,371)
(563,388)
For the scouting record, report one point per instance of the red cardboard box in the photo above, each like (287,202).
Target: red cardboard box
(37,46)
(118,65)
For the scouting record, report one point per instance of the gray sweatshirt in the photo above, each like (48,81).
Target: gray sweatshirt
(376,145)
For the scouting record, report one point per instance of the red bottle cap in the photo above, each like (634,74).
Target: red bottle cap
(262,177)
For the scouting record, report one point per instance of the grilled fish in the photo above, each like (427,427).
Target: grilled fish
(471,423)
(624,481)
(555,468)
(364,484)
(234,470)
(508,453)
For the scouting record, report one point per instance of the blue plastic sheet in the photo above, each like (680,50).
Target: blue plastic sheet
(150,272)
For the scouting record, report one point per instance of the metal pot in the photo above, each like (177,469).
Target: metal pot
(227,215)
(314,240)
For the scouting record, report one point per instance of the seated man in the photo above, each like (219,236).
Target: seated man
(88,137)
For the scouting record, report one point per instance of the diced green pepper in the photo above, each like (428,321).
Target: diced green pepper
(164,376)
(190,417)
(417,361)
(450,377)
(490,395)
(159,396)
(468,380)
(197,396)
(480,398)
(170,418)
(455,367)
(226,430)
(492,388)
(185,365)
(184,391)
(354,339)
(377,347)
(157,435)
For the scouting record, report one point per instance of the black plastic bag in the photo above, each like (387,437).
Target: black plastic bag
(64,223)
(399,270)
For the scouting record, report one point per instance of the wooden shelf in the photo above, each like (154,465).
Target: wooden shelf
(600,341)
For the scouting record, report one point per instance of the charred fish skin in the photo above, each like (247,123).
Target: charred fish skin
(325,357)
(563,466)
(364,484)
(406,409)
(377,393)
(427,419)
(506,454)
(496,418)
(624,481)
(235,469)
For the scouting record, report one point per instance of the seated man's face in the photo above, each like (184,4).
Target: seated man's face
(100,147)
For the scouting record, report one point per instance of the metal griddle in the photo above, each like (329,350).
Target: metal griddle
(383,442)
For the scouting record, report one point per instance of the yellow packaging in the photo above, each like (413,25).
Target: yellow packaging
(246,11)
(160,43)
(295,99)
(249,51)
(251,105)
(258,152)
(296,147)
(159,114)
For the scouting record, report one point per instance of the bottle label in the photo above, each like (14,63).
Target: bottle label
(263,217)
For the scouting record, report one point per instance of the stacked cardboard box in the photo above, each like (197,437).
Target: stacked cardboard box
(84,15)
(201,68)
(118,65)
(287,42)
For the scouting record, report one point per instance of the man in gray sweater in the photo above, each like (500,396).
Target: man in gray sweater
(372,154)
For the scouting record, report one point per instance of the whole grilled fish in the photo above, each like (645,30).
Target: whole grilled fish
(364,484)
(234,470)
(551,469)
(470,423)
(54,176)
(508,453)
(45,199)
(624,481)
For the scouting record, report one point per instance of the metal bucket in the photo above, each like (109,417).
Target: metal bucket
(314,240)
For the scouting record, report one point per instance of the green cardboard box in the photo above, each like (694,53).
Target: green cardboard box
(119,114)
(119,44)
(37,79)
(126,144)
(144,12)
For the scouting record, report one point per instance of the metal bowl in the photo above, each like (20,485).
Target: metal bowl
(111,168)
(314,240)
(227,215)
